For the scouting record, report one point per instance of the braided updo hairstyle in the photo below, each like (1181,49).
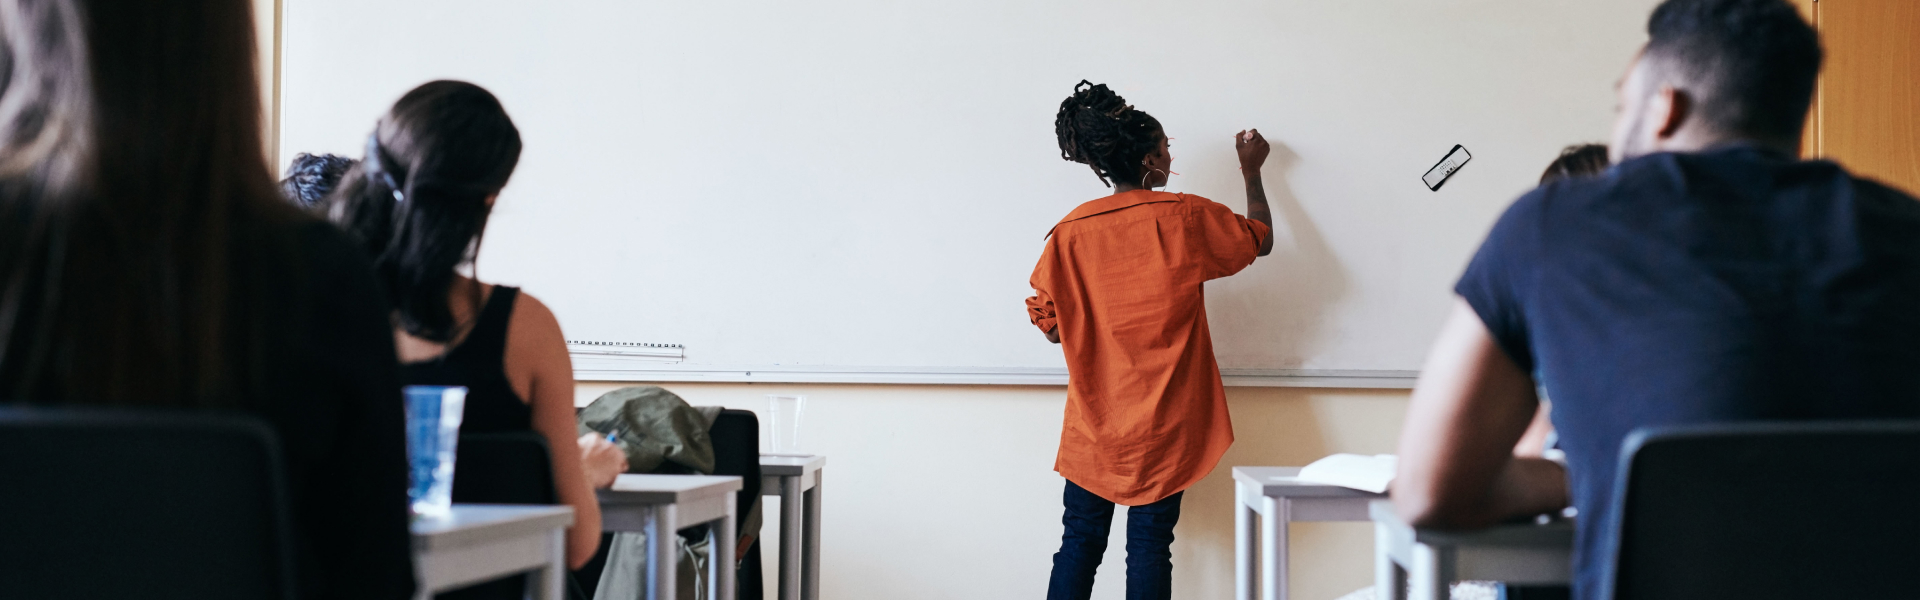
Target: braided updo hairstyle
(1099,129)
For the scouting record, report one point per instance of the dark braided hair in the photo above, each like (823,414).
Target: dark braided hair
(1580,160)
(311,177)
(1099,129)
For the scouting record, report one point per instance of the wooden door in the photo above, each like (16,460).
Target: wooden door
(1867,114)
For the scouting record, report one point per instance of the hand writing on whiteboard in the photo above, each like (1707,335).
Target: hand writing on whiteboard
(1253,149)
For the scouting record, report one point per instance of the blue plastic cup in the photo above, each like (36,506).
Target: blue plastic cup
(433,428)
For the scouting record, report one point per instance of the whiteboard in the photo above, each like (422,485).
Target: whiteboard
(847,190)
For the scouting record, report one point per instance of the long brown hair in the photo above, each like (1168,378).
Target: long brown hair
(134,202)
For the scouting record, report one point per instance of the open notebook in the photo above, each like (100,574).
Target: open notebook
(1360,472)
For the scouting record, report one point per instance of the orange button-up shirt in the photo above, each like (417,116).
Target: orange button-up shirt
(1121,277)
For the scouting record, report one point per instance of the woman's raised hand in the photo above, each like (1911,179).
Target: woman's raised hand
(1252,148)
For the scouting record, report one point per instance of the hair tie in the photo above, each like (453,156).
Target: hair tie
(377,168)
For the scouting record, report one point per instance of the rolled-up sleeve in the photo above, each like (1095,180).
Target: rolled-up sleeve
(1225,242)
(1040,311)
(1040,306)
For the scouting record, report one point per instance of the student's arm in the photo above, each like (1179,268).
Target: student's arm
(1457,468)
(1253,151)
(535,344)
(1533,443)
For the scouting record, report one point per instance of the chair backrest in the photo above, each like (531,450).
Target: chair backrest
(503,468)
(736,451)
(1760,511)
(141,504)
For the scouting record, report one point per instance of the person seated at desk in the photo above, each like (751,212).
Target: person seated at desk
(1579,160)
(147,261)
(1708,277)
(418,202)
(310,178)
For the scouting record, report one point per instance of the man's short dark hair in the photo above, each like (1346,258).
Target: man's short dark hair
(310,178)
(1751,64)
(1579,160)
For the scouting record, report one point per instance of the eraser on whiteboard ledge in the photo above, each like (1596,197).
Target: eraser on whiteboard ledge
(1446,167)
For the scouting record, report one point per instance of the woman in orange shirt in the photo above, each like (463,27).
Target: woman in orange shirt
(1119,287)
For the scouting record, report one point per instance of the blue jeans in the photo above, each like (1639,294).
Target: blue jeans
(1088,520)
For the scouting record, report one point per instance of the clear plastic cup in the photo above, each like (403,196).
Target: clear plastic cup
(433,428)
(784,413)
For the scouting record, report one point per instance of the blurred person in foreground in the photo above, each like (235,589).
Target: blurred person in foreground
(147,261)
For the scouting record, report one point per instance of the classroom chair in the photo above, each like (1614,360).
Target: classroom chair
(504,468)
(1765,511)
(141,504)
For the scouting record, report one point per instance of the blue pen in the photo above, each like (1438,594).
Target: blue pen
(612,440)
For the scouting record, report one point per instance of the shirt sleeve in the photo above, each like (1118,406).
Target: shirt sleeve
(1496,281)
(1040,306)
(1224,241)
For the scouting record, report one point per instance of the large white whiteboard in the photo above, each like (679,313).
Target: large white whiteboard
(845,190)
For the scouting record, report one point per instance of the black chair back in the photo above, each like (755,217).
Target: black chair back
(503,468)
(141,504)
(1763,511)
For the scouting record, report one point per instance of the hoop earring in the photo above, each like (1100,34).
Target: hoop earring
(1150,171)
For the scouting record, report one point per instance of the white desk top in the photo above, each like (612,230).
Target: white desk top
(1284,482)
(1557,533)
(469,524)
(667,489)
(789,465)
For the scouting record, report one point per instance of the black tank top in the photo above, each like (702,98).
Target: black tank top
(479,363)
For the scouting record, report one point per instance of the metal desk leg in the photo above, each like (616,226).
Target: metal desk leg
(790,505)
(1273,549)
(810,557)
(549,583)
(662,525)
(1389,580)
(720,564)
(1244,562)
(1431,572)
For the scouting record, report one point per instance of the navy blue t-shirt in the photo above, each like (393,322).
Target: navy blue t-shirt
(1728,285)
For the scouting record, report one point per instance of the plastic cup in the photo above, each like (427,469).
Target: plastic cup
(433,429)
(784,414)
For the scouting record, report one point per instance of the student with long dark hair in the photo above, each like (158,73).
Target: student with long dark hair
(1119,287)
(147,261)
(418,202)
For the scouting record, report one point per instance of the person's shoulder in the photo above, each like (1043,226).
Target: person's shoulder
(1195,200)
(531,319)
(1888,206)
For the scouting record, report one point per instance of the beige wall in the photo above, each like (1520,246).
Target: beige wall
(948,492)
(266,21)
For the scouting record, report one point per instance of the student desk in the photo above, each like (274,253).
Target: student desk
(480,542)
(1431,560)
(1266,499)
(796,480)
(660,506)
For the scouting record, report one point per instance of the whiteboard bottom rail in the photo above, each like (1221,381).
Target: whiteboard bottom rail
(682,373)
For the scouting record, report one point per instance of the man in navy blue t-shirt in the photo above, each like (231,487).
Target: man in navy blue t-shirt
(1707,277)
